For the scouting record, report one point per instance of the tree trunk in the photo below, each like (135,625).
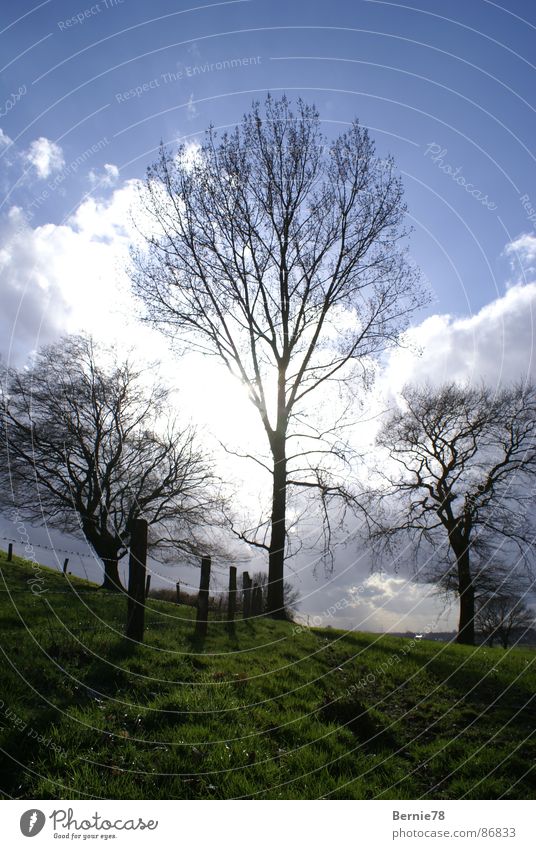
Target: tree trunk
(106,548)
(111,575)
(466,625)
(276,568)
(504,636)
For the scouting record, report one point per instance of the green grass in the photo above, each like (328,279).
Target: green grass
(272,712)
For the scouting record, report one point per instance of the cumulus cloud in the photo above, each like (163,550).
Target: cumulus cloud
(34,308)
(390,603)
(522,255)
(66,277)
(106,178)
(4,139)
(45,156)
(112,219)
(496,345)
(379,602)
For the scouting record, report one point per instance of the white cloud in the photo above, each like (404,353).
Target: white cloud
(108,177)
(4,139)
(45,156)
(386,602)
(191,108)
(67,277)
(496,345)
(522,255)
(191,154)
(34,308)
(110,220)
(524,247)
(380,602)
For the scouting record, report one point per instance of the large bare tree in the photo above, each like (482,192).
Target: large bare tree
(456,476)
(280,253)
(89,444)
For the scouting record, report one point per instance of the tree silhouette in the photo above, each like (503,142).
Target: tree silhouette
(459,462)
(279,253)
(502,615)
(291,595)
(90,445)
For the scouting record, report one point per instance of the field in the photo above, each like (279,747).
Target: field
(275,711)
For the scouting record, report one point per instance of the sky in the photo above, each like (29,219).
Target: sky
(88,91)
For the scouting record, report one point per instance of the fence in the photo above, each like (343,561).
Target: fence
(139,584)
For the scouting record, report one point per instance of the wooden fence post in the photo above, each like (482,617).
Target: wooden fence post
(136,581)
(147,585)
(246,595)
(201,623)
(65,564)
(256,600)
(260,601)
(178,588)
(231,601)
(10,551)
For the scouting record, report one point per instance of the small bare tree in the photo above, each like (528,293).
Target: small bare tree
(280,253)
(502,616)
(291,595)
(89,444)
(459,461)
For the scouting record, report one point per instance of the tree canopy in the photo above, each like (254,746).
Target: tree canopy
(281,253)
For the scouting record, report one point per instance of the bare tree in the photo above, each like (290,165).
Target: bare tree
(500,590)
(280,253)
(291,595)
(502,615)
(457,473)
(89,444)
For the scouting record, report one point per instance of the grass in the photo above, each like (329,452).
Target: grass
(273,711)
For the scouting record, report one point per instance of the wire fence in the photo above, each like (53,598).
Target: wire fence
(73,618)
(94,557)
(218,577)
(52,548)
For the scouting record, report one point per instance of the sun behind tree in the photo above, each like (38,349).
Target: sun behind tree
(279,252)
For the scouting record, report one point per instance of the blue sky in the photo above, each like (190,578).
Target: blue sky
(462,82)
(88,90)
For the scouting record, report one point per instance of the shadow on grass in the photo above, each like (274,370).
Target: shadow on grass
(368,728)
(22,748)
(451,666)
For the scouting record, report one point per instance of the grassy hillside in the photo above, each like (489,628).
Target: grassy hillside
(274,712)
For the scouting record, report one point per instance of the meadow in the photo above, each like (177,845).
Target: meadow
(273,711)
